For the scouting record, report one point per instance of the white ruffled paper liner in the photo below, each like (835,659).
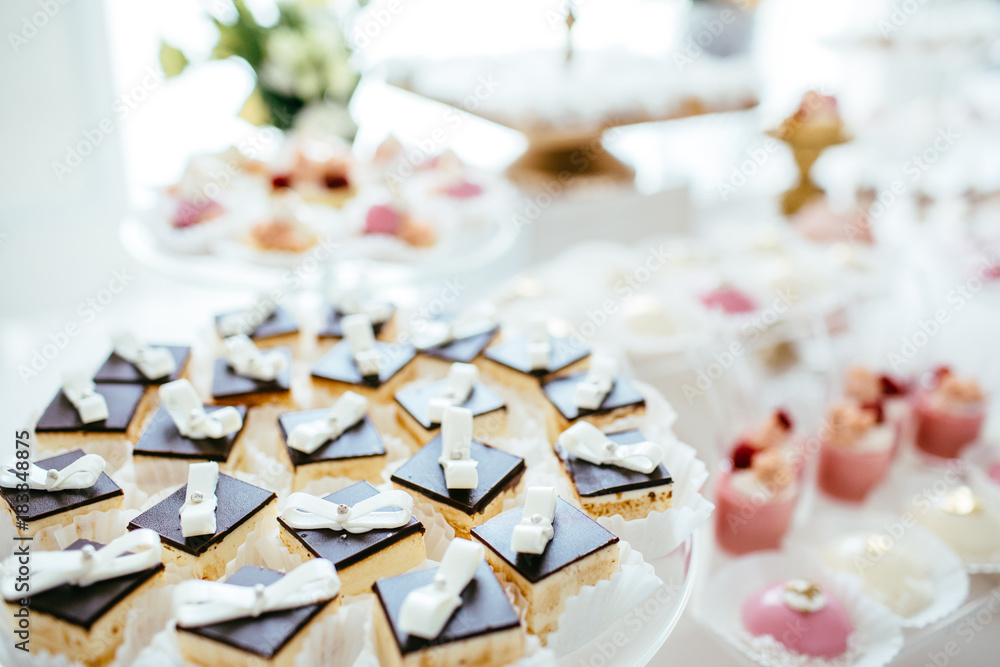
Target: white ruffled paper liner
(876,639)
(661,532)
(589,613)
(947,572)
(345,638)
(913,487)
(657,534)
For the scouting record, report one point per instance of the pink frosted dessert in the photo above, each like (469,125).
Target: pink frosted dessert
(869,388)
(856,451)
(386,220)
(729,300)
(949,415)
(757,489)
(800,616)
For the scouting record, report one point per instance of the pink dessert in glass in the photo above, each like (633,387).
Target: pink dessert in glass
(800,616)
(757,489)
(892,395)
(856,447)
(949,415)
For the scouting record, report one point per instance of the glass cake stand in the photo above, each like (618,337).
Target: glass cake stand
(635,638)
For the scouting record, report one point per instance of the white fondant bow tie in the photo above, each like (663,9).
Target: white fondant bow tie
(434,333)
(460,469)
(307,512)
(585,441)
(539,345)
(244,322)
(247,360)
(427,609)
(591,391)
(200,502)
(533,533)
(199,603)
(349,409)
(80,474)
(133,552)
(360,302)
(153,362)
(461,381)
(82,393)
(361,337)
(192,420)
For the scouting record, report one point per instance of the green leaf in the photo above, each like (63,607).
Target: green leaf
(172,60)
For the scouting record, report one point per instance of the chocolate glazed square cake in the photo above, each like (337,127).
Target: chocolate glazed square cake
(580,553)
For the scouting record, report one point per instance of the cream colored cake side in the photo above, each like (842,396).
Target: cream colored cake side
(459,520)
(212,563)
(64,518)
(490,650)
(357,579)
(484,427)
(547,598)
(210,653)
(94,647)
(631,505)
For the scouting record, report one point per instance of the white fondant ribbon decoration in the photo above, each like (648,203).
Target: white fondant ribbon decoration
(460,469)
(80,474)
(192,420)
(133,552)
(244,322)
(461,380)
(533,533)
(82,393)
(385,510)
(249,361)
(349,409)
(361,337)
(198,511)
(198,603)
(475,321)
(539,345)
(153,362)
(596,385)
(585,441)
(358,301)
(426,610)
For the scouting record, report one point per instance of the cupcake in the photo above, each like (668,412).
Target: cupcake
(949,415)
(801,617)
(758,488)
(855,452)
